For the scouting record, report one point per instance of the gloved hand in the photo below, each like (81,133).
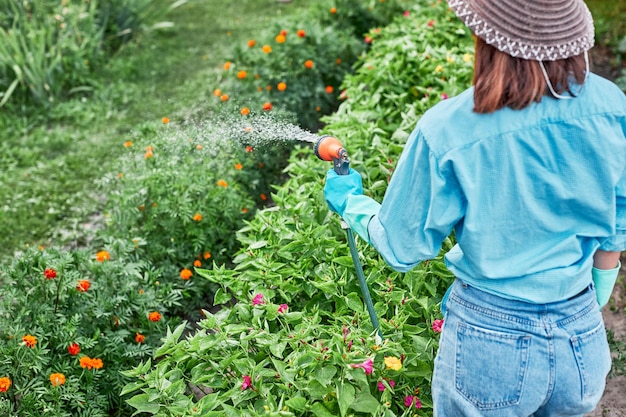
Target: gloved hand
(604,281)
(339,187)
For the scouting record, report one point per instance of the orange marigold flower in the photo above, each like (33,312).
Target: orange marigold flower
(251,43)
(280,38)
(281,86)
(120,175)
(165,120)
(186,274)
(248,129)
(244,210)
(333,10)
(50,273)
(227,65)
(197,217)
(83,285)
(308,64)
(224,97)
(263,197)
(154,316)
(267,49)
(338,61)
(128,144)
(5,384)
(217,92)
(139,338)
(242,74)
(103,256)
(329,89)
(268,88)
(97,363)
(57,379)
(73,349)
(29,340)
(238,166)
(301,33)
(267,106)
(245,111)
(249,148)
(222,183)
(148,155)
(318,108)
(199,147)
(197,263)
(206,255)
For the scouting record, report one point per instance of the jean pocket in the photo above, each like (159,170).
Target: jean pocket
(490,366)
(593,357)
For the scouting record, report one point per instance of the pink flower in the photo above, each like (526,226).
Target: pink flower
(367,366)
(282,308)
(409,400)
(247,382)
(444,96)
(258,299)
(381,385)
(437,326)
(406,13)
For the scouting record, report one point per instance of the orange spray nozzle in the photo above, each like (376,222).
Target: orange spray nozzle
(328,148)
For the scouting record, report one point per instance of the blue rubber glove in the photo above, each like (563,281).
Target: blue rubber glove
(604,281)
(339,187)
(359,211)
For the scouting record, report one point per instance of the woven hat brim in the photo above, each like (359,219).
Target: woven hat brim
(540,30)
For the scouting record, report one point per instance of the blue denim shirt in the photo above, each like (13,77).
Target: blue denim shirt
(531,194)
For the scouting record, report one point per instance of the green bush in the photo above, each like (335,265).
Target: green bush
(83,315)
(297,302)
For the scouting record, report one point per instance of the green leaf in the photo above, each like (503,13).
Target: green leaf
(353,300)
(141,403)
(277,349)
(345,395)
(320,411)
(365,403)
(325,375)
(297,403)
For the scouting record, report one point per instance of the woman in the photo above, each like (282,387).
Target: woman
(528,167)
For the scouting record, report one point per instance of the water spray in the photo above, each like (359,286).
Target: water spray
(329,148)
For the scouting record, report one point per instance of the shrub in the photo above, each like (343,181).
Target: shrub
(70,321)
(255,356)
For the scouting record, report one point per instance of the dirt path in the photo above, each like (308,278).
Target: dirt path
(613,403)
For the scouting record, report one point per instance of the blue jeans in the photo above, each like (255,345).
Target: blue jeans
(500,357)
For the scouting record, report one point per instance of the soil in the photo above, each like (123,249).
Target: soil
(613,403)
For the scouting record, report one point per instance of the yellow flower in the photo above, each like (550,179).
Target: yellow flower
(467,57)
(439,68)
(57,379)
(393,363)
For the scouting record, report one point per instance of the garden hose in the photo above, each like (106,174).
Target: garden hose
(328,148)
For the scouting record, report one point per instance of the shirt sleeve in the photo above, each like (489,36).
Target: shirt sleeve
(617,242)
(422,204)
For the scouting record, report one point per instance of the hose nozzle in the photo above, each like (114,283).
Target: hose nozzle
(328,148)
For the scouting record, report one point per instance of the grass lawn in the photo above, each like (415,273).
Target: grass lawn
(50,162)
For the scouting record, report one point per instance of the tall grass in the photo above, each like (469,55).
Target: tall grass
(49,49)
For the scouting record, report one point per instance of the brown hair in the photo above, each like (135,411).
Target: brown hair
(501,80)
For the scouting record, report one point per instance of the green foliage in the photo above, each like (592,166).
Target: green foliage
(50,49)
(100,302)
(294,256)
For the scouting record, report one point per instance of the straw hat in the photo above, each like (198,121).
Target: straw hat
(540,30)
